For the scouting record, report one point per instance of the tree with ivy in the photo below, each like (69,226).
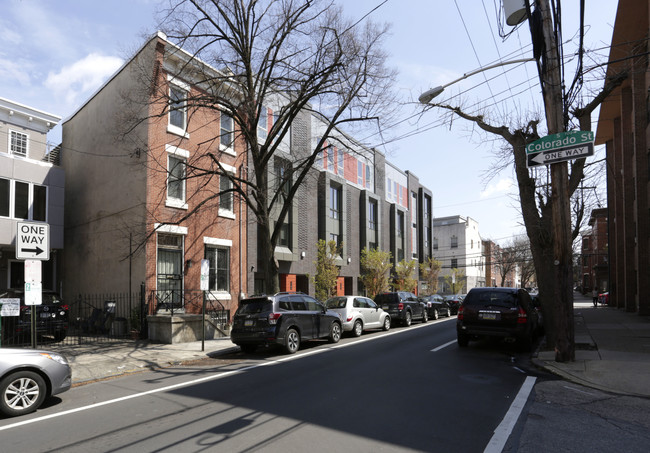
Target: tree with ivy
(375,270)
(429,270)
(404,280)
(326,270)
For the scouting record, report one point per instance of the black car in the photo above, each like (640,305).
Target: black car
(454,303)
(285,319)
(436,306)
(51,317)
(403,307)
(497,312)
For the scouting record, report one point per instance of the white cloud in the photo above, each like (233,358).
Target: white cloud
(501,187)
(78,80)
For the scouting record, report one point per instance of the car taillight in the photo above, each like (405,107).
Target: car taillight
(522,317)
(459,315)
(273,317)
(400,306)
(349,319)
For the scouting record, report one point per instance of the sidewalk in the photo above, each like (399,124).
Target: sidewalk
(612,350)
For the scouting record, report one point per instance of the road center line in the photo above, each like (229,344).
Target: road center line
(508,423)
(443,346)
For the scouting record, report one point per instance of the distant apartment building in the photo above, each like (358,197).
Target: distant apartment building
(594,253)
(457,244)
(31,189)
(130,219)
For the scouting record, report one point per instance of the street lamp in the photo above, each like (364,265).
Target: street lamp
(426,97)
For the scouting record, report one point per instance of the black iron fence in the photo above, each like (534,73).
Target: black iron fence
(106,318)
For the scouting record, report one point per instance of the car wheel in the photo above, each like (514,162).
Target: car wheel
(292,341)
(408,318)
(435,314)
(425,315)
(386,325)
(21,393)
(448,313)
(357,330)
(335,332)
(248,348)
(463,340)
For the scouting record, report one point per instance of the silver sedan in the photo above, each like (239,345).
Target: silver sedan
(28,377)
(358,313)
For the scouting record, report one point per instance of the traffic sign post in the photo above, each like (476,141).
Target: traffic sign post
(33,241)
(560,147)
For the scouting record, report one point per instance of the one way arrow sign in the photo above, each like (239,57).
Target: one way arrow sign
(559,155)
(32,241)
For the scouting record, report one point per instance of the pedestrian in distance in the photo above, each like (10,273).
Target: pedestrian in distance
(594,294)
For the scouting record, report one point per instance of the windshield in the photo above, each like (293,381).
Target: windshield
(491,299)
(386,298)
(336,302)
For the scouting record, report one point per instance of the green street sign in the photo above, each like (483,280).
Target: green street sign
(553,142)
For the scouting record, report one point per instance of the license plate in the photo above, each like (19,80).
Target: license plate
(248,323)
(45,315)
(384,307)
(489,316)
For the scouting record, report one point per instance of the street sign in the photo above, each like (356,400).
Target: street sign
(560,147)
(9,307)
(205,275)
(33,293)
(33,241)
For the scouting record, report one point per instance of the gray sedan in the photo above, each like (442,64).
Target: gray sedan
(28,377)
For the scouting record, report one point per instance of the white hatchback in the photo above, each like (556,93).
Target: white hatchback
(358,313)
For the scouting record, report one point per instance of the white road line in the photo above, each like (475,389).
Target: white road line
(508,423)
(443,346)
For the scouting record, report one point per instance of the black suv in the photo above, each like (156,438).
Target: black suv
(51,317)
(402,306)
(285,319)
(497,312)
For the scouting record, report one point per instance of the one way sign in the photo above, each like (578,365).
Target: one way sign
(33,241)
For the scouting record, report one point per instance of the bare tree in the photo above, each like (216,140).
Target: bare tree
(270,65)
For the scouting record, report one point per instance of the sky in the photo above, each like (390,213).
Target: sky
(55,54)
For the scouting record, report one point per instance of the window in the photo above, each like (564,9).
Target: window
(178,108)
(330,158)
(400,224)
(284,237)
(414,208)
(22,200)
(435,243)
(263,125)
(176,179)
(219,275)
(414,241)
(337,239)
(227,132)
(360,173)
(335,202)
(368,176)
(454,242)
(18,144)
(340,160)
(372,215)
(5,197)
(226,196)
(389,188)
(454,263)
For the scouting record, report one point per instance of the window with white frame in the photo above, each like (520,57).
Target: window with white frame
(226,205)
(176,180)
(368,184)
(339,157)
(435,243)
(178,108)
(454,263)
(263,125)
(372,215)
(23,200)
(330,158)
(360,173)
(454,242)
(219,269)
(18,143)
(227,133)
(389,189)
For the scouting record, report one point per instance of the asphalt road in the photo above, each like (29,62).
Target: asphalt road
(409,389)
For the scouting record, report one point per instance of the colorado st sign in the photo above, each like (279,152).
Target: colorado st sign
(560,147)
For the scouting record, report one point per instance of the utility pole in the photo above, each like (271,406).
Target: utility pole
(552,86)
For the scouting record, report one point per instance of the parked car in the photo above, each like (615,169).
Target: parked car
(51,316)
(454,302)
(286,319)
(403,307)
(28,377)
(436,306)
(358,314)
(497,312)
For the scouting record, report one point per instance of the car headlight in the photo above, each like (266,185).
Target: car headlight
(56,357)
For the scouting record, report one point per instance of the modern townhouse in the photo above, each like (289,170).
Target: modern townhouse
(31,189)
(138,216)
(457,244)
(623,128)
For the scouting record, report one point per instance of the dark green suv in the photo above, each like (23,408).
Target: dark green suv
(285,319)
